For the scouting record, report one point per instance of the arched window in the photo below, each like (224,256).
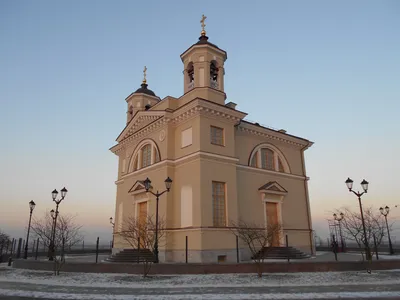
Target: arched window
(213,71)
(268,157)
(190,71)
(146,154)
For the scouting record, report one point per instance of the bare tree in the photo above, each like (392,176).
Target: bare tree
(4,242)
(67,233)
(140,233)
(259,239)
(352,228)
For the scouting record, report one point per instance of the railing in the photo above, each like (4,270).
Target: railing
(213,84)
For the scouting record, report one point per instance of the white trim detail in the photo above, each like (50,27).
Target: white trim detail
(288,175)
(138,153)
(182,159)
(278,154)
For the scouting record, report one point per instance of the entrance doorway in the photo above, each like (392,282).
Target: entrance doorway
(142,220)
(273,222)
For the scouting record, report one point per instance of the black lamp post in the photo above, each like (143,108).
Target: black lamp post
(147,185)
(54,216)
(339,219)
(31,208)
(113,225)
(364,185)
(385,213)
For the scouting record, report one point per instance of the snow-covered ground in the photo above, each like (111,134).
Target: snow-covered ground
(111,280)
(321,285)
(235,296)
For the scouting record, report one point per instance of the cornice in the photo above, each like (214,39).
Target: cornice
(136,136)
(199,106)
(274,173)
(204,46)
(180,161)
(138,121)
(269,134)
(157,119)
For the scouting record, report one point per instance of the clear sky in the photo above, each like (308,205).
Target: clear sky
(328,71)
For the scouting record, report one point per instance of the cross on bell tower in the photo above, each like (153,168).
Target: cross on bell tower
(204,65)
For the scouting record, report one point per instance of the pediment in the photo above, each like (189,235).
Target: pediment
(138,187)
(273,187)
(140,120)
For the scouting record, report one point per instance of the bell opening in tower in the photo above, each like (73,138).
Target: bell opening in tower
(213,75)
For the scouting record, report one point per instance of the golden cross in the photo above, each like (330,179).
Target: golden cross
(144,74)
(203,25)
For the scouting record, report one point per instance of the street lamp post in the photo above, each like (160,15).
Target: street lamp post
(113,226)
(53,217)
(147,185)
(339,219)
(54,196)
(364,185)
(31,208)
(385,213)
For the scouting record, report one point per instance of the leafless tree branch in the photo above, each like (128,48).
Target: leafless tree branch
(143,231)
(259,239)
(67,233)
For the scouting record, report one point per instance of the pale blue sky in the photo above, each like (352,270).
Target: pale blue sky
(327,71)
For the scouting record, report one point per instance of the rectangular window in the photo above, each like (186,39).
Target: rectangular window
(217,135)
(186,137)
(186,206)
(146,156)
(218,197)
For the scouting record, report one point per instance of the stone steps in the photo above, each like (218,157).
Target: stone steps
(281,253)
(132,256)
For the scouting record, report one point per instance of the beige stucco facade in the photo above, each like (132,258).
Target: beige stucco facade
(200,141)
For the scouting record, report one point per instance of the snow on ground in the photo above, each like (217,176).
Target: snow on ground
(106,280)
(380,256)
(335,295)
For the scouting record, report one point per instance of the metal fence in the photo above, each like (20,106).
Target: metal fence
(15,248)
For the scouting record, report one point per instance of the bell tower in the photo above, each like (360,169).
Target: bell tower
(142,99)
(204,64)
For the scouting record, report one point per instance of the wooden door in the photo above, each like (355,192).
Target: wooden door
(142,215)
(273,221)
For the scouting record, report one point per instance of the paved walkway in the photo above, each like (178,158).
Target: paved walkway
(199,290)
(321,256)
(380,291)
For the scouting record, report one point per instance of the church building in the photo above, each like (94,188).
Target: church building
(224,168)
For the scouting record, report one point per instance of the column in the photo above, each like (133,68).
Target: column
(276,162)
(139,166)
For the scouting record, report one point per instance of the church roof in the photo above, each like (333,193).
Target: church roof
(144,90)
(203,40)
